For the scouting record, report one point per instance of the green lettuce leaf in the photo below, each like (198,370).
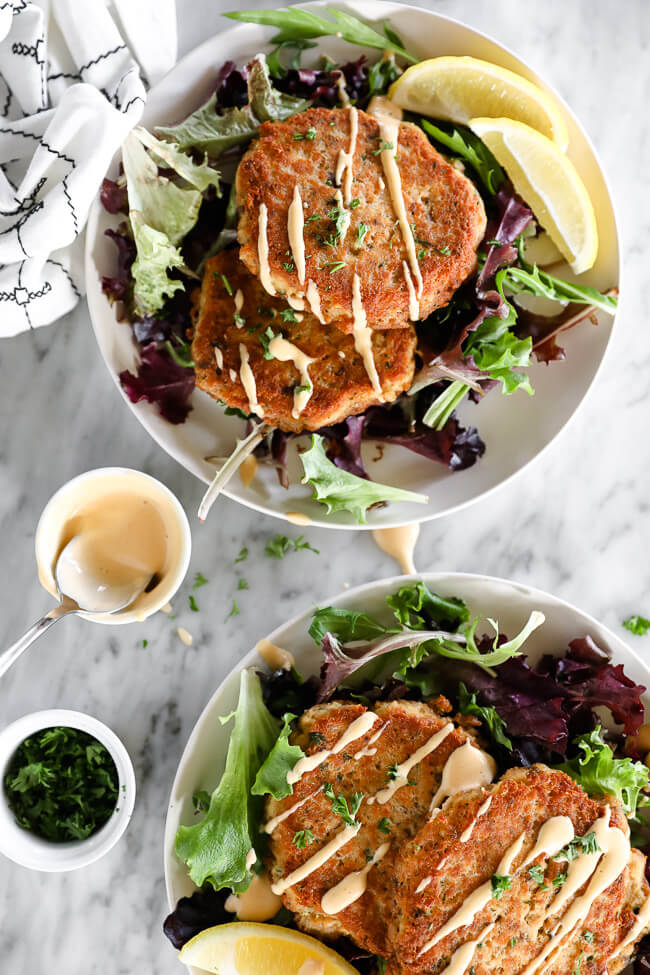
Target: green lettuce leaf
(340,491)
(600,774)
(271,778)
(295,24)
(155,257)
(346,625)
(199,175)
(467,704)
(215,849)
(534,281)
(214,134)
(418,608)
(466,146)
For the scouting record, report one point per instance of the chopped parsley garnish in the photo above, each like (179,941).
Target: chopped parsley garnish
(239,320)
(559,880)
(638,625)
(145,644)
(235,610)
(335,266)
(243,555)
(279,546)
(289,315)
(576,970)
(384,147)
(347,809)
(305,388)
(193,604)
(422,253)
(392,771)
(499,884)
(314,216)
(309,134)
(226,284)
(199,580)
(288,266)
(588,936)
(536,873)
(512,942)
(61,784)
(445,250)
(362,230)
(303,838)
(266,338)
(242,584)
(578,846)
(355,203)
(384,825)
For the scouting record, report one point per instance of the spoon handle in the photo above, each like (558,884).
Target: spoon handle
(9,656)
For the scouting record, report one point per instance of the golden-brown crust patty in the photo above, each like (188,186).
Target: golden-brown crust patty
(408,725)
(442,205)
(341,386)
(522,802)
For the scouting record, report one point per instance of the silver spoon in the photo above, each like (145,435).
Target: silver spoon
(68,569)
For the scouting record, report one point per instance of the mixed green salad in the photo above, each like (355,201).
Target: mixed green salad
(176,199)
(424,644)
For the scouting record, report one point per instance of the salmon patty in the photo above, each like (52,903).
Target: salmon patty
(494,837)
(378,211)
(235,324)
(364,767)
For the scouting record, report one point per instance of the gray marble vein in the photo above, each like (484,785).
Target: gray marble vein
(576,523)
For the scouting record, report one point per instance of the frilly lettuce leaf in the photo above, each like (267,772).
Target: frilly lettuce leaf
(210,132)
(271,778)
(418,608)
(600,774)
(340,491)
(467,704)
(345,624)
(199,175)
(215,849)
(156,255)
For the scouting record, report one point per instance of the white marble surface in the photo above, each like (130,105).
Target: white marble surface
(577,523)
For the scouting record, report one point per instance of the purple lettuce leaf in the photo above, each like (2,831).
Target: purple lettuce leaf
(544,329)
(161,381)
(513,216)
(321,87)
(230,86)
(117,287)
(344,445)
(114,197)
(205,908)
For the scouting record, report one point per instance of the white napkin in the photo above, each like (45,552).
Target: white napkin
(72,85)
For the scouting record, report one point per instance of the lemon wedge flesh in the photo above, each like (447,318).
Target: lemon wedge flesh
(549,183)
(246,948)
(460,88)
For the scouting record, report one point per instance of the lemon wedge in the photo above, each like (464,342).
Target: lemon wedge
(549,183)
(246,948)
(460,88)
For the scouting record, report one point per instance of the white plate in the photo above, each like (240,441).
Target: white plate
(203,760)
(515,429)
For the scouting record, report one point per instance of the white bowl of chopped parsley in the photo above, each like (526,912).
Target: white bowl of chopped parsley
(68,789)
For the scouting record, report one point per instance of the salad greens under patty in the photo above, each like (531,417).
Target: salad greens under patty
(61,784)
(425,645)
(180,209)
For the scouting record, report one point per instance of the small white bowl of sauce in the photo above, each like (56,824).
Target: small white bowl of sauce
(129,523)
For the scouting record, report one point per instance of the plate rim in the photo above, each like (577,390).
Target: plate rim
(391,8)
(429,578)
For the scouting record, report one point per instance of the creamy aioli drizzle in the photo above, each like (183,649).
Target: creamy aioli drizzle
(463,955)
(389,134)
(414,305)
(184,636)
(272,824)
(482,809)
(338,841)
(554,834)
(345,223)
(239,301)
(274,656)
(257,903)
(298,304)
(248,382)
(402,772)
(641,922)
(399,543)
(343,92)
(313,298)
(368,749)
(263,250)
(363,337)
(477,900)
(423,885)
(297,518)
(218,354)
(233,376)
(345,161)
(352,886)
(359,727)
(296,226)
(286,351)
(251,859)
(466,768)
(603,868)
